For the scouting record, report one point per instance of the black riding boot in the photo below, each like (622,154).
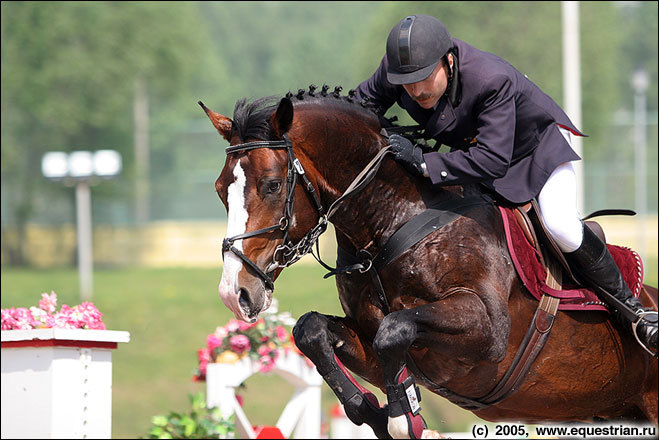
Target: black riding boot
(593,262)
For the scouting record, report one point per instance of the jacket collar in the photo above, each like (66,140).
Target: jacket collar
(442,118)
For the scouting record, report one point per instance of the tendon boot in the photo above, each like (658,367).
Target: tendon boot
(403,399)
(360,405)
(595,265)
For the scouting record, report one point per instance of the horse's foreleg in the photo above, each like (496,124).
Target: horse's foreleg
(331,344)
(461,316)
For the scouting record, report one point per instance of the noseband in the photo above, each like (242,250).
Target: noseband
(286,253)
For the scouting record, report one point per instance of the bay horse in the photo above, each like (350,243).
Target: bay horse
(450,311)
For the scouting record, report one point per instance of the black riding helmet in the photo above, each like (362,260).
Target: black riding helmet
(414,47)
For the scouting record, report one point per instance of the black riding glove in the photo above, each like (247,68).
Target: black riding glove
(408,154)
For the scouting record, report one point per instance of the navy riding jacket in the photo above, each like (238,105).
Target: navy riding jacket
(503,133)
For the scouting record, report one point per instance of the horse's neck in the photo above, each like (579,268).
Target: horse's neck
(339,153)
(367,218)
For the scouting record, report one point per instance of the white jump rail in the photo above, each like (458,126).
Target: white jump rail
(303,411)
(57,383)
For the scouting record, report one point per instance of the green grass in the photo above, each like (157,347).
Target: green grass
(169,313)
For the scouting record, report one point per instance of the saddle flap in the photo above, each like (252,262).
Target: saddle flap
(544,240)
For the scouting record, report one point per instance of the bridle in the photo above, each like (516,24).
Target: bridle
(288,252)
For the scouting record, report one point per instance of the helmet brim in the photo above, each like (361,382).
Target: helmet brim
(399,78)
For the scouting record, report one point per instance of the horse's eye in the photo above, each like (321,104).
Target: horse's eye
(270,187)
(273,187)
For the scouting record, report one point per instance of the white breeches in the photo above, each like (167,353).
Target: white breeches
(558,205)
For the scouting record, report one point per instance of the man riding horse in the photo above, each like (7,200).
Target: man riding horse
(504,133)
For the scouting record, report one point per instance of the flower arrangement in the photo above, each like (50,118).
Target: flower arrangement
(261,340)
(83,316)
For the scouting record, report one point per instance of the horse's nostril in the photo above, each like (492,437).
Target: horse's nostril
(244,299)
(250,306)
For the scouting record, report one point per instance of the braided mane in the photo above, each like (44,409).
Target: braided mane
(251,119)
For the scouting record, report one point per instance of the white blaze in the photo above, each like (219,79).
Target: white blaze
(237,224)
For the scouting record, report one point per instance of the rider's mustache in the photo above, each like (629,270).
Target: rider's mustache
(422,97)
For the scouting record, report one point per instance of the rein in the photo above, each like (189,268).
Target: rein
(288,252)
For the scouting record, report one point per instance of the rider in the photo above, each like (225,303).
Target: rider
(504,132)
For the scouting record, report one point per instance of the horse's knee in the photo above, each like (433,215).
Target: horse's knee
(310,332)
(394,335)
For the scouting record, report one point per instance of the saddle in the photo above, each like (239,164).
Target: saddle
(543,267)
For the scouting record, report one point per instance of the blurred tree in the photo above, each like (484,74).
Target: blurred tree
(68,78)
(69,71)
(270,48)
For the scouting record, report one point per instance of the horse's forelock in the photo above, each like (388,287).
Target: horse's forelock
(251,119)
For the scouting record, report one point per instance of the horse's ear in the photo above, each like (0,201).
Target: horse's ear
(221,123)
(282,119)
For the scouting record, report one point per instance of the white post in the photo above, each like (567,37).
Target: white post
(572,84)
(84,233)
(309,424)
(141,119)
(302,414)
(57,383)
(640,82)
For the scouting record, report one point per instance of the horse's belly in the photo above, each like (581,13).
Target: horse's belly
(584,370)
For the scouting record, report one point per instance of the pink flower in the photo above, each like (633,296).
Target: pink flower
(281,333)
(66,318)
(264,350)
(48,303)
(267,359)
(212,341)
(266,364)
(204,355)
(244,326)
(89,317)
(232,326)
(239,343)
(39,315)
(24,319)
(221,333)
(83,316)
(8,320)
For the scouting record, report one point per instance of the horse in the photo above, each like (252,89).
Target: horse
(448,312)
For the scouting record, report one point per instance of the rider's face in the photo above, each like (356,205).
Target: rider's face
(428,92)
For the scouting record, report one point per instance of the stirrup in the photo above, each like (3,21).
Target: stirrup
(641,316)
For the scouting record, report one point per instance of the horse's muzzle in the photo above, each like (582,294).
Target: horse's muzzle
(246,302)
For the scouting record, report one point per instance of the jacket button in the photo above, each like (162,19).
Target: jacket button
(443,174)
(442,116)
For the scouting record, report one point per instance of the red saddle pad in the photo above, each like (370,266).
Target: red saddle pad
(529,267)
